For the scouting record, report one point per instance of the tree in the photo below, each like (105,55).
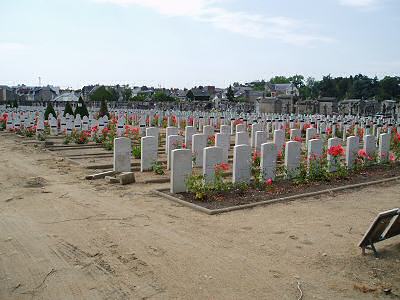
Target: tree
(279,79)
(259,85)
(127,94)
(327,87)
(101,93)
(81,108)
(162,97)
(103,109)
(297,81)
(230,95)
(114,94)
(389,88)
(68,109)
(190,95)
(49,110)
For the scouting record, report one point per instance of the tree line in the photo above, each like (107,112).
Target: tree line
(352,87)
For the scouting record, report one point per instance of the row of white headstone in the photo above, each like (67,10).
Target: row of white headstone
(181,159)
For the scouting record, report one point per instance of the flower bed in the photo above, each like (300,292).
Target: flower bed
(250,194)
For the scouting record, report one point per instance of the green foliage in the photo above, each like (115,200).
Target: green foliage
(49,110)
(279,80)
(81,108)
(137,152)
(103,109)
(68,109)
(259,85)
(162,97)
(230,95)
(127,94)
(157,168)
(352,87)
(190,96)
(100,94)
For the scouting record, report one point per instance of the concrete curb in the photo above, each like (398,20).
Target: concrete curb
(161,193)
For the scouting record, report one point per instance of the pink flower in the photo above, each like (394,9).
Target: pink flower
(268,182)
(392,157)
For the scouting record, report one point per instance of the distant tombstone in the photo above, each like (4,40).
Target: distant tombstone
(242,138)
(279,139)
(225,129)
(208,130)
(241,128)
(254,128)
(173,142)
(295,134)
(199,142)
(189,132)
(85,123)
(69,126)
(222,140)
(260,138)
(53,126)
(122,154)
(155,132)
(310,134)
(170,131)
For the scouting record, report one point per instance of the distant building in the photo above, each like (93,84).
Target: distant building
(274,105)
(288,89)
(198,94)
(7,93)
(359,107)
(67,97)
(47,93)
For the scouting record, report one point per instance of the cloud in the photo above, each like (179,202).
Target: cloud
(360,3)
(247,24)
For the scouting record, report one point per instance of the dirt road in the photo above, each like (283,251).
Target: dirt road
(65,238)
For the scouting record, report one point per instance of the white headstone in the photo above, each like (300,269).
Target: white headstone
(212,156)
(181,169)
(122,154)
(241,164)
(149,153)
(269,155)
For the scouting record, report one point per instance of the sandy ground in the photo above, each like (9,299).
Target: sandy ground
(62,237)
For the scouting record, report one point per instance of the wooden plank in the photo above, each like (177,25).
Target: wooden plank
(378,227)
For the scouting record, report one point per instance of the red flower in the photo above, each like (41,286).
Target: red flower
(328,131)
(221,167)
(336,151)
(392,157)
(268,182)
(297,139)
(363,154)
(256,155)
